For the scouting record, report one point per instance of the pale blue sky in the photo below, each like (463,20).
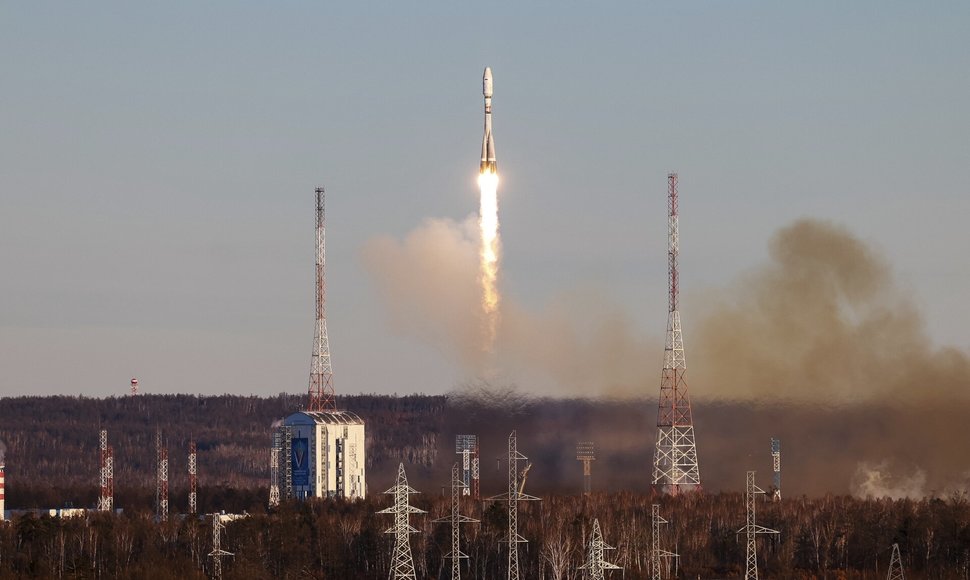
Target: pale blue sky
(158,160)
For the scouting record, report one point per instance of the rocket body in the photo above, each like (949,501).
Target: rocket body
(488,144)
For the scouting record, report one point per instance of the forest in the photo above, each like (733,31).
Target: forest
(828,537)
(825,531)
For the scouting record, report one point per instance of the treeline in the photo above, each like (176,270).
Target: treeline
(830,537)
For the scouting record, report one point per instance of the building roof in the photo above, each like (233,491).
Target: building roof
(324,417)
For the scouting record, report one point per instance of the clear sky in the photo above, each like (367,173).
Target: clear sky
(158,161)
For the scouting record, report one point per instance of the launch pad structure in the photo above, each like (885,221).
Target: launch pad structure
(321,450)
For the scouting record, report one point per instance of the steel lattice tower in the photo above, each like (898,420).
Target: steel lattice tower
(402,566)
(896,565)
(106,500)
(675,456)
(585,452)
(776,468)
(193,479)
(274,470)
(512,499)
(752,529)
(161,484)
(467,447)
(458,488)
(217,552)
(287,454)
(657,553)
(321,392)
(596,563)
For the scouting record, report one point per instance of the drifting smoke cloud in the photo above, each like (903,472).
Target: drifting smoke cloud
(822,322)
(430,282)
(818,346)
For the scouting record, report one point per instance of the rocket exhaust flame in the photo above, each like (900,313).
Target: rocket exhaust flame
(488,220)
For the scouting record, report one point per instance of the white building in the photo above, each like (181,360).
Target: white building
(326,455)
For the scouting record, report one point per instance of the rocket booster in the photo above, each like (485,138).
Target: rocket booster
(488,145)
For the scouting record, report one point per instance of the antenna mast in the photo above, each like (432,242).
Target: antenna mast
(193,479)
(675,456)
(321,391)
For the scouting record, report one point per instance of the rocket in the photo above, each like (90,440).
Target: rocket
(488,145)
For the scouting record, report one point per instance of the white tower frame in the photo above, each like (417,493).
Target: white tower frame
(752,529)
(596,564)
(402,564)
(657,553)
(458,487)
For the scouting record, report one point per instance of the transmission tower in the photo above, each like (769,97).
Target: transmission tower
(217,553)
(596,563)
(752,529)
(776,468)
(467,447)
(512,498)
(458,488)
(193,479)
(675,456)
(274,470)
(896,565)
(161,483)
(657,553)
(105,500)
(321,395)
(402,566)
(585,453)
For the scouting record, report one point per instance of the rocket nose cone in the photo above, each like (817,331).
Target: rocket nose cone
(487,82)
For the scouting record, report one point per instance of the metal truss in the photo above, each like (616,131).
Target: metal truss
(512,498)
(321,390)
(752,529)
(402,565)
(596,564)
(458,487)
(657,553)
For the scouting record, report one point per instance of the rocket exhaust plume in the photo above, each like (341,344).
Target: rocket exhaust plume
(488,221)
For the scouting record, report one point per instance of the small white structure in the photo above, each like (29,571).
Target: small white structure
(325,454)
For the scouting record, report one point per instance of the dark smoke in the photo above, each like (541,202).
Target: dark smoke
(818,347)
(822,322)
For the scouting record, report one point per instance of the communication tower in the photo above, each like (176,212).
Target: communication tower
(193,479)
(161,484)
(274,470)
(675,456)
(776,468)
(752,529)
(402,565)
(512,499)
(134,386)
(321,391)
(596,563)
(106,501)
(458,487)
(467,447)
(657,553)
(585,453)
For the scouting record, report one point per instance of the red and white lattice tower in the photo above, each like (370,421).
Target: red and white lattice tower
(193,479)
(675,456)
(161,483)
(134,386)
(106,501)
(321,392)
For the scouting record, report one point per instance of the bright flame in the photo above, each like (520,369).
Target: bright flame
(488,221)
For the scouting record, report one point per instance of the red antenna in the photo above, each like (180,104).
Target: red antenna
(321,392)
(675,456)
(134,386)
